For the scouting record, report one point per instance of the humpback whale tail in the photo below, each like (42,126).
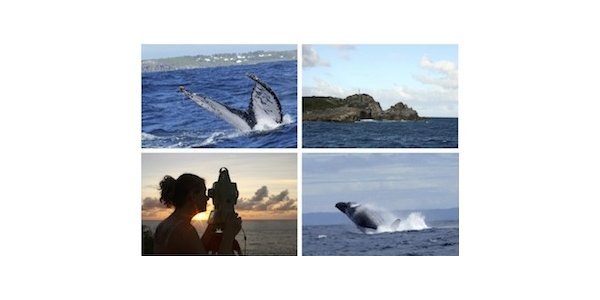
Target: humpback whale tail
(264,107)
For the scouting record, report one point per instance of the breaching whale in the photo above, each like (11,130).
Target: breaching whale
(363,217)
(264,106)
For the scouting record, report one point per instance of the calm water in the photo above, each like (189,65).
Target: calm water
(264,237)
(169,120)
(441,238)
(430,133)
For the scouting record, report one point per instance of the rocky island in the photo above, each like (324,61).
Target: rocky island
(353,108)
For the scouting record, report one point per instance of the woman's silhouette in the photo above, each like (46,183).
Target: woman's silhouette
(176,235)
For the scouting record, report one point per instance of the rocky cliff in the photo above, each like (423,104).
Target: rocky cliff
(353,108)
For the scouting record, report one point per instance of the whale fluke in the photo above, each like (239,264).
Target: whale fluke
(264,106)
(264,103)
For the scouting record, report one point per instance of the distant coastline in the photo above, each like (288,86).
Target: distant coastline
(333,218)
(215,60)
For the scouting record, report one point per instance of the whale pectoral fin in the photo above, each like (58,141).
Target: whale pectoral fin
(264,103)
(237,118)
(395,224)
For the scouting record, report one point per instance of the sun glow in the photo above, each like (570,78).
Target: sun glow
(203,216)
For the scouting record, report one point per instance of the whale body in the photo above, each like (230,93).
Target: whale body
(363,217)
(264,106)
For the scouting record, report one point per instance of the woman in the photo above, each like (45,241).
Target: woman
(175,234)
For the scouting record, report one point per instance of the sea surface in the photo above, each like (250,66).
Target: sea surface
(439,239)
(170,120)
(430,133)
(263,237)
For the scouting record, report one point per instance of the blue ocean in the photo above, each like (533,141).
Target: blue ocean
(169,120)
(438,238)
(430,133)
(263,237)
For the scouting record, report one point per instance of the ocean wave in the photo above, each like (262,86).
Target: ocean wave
(171,121)
(217,137)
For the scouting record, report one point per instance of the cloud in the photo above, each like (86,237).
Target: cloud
(151,204)
(345,47)
(288,205)
(259,195)
(344,51)
(324,88)
(447,69)
(283,195)
(440,97)
(310,57)
(151,208)
(260,201)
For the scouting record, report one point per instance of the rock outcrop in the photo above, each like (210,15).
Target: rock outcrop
(353,108)
(400,111)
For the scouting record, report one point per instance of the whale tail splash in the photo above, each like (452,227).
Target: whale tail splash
(264,107)
(395,225)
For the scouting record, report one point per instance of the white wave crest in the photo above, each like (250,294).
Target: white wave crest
(148,137)
(219,136)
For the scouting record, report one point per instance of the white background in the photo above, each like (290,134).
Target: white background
(70,121)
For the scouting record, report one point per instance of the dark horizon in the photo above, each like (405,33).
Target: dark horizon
(296,219)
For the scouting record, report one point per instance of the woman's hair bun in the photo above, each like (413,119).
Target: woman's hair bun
(167,190)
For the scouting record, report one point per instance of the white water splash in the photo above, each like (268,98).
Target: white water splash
(268,124)
(414,221)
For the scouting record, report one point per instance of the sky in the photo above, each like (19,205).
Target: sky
(267,183)
(151,51)
(425,77)
(408,181)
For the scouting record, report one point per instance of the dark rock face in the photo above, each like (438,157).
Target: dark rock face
(353,108)
(401,111)
(367,107)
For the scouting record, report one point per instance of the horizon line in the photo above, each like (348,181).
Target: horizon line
(218,53)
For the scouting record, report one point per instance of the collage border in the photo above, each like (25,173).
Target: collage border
(300,151)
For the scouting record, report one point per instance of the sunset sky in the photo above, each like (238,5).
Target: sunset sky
(267,182)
